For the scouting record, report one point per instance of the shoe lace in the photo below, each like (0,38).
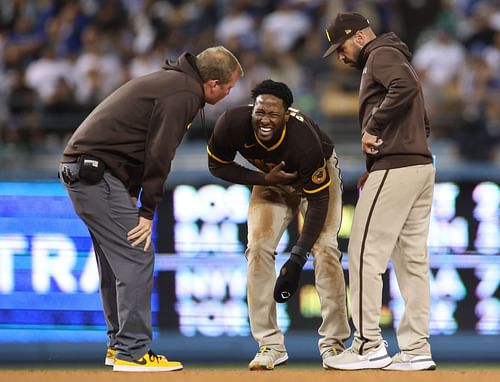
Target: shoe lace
(153,357)
(263,350)
(333,351)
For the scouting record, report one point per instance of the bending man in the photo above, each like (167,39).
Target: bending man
(285,146)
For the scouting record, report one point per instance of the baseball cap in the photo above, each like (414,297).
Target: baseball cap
(344,26)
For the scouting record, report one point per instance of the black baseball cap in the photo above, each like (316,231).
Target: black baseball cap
(344,26)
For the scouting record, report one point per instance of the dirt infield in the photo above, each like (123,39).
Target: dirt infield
(246,376)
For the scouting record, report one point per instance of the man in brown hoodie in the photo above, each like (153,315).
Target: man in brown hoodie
(120,153)
(393,212)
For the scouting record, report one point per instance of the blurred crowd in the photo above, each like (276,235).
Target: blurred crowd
(59,58)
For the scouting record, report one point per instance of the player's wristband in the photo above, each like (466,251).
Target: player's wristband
(299,255)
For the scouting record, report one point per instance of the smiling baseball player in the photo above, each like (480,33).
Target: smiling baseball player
(297,169)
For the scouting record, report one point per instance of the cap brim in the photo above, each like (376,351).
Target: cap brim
(331,49)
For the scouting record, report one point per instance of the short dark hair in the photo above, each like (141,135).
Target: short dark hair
(277,89)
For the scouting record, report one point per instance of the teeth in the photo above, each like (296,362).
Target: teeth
(265,129)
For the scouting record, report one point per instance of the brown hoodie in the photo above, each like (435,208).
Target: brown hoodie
(392,105)
(137,129)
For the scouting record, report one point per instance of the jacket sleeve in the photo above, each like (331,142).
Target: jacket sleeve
(169,122)
(393,71)
(314,219)
(316,182)
(235,173)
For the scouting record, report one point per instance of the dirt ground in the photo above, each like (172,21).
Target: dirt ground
(246,376)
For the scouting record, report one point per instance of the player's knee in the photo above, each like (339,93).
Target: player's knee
(259,249)
(326,249)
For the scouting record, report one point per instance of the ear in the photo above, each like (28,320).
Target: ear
(287,115)
(208,87)
(210,84)
(360,38)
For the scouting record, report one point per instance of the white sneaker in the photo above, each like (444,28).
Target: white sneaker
(329,357)
(407,362)
(267,359)
(349,359)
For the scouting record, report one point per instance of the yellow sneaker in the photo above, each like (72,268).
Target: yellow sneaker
(149,362)
(109,360)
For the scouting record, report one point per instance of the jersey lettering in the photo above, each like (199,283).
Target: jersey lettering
(295,113)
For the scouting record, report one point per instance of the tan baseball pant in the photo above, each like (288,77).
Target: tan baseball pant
(270,212)
(391,221)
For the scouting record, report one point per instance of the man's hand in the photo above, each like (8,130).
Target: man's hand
(142,232)
(278,176)
(370,143)
(289,276)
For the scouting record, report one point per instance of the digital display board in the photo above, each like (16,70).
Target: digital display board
(208,229)
(49,281)
(48,274)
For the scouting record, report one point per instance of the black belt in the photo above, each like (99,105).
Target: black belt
(68,172)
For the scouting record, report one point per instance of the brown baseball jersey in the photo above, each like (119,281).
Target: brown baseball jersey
(301,144)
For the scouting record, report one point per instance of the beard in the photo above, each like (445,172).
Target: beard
(352,64)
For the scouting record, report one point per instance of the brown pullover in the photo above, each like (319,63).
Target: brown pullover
(136,130)
(392,105)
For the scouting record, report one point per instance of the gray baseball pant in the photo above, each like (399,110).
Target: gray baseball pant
(125,272)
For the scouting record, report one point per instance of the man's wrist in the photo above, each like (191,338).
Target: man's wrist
(299,255)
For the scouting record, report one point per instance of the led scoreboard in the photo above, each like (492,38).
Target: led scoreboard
(48,274)
(204,285)
(49,282)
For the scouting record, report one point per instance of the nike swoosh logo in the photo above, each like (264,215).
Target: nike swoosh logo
(141,361)
(247,146)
